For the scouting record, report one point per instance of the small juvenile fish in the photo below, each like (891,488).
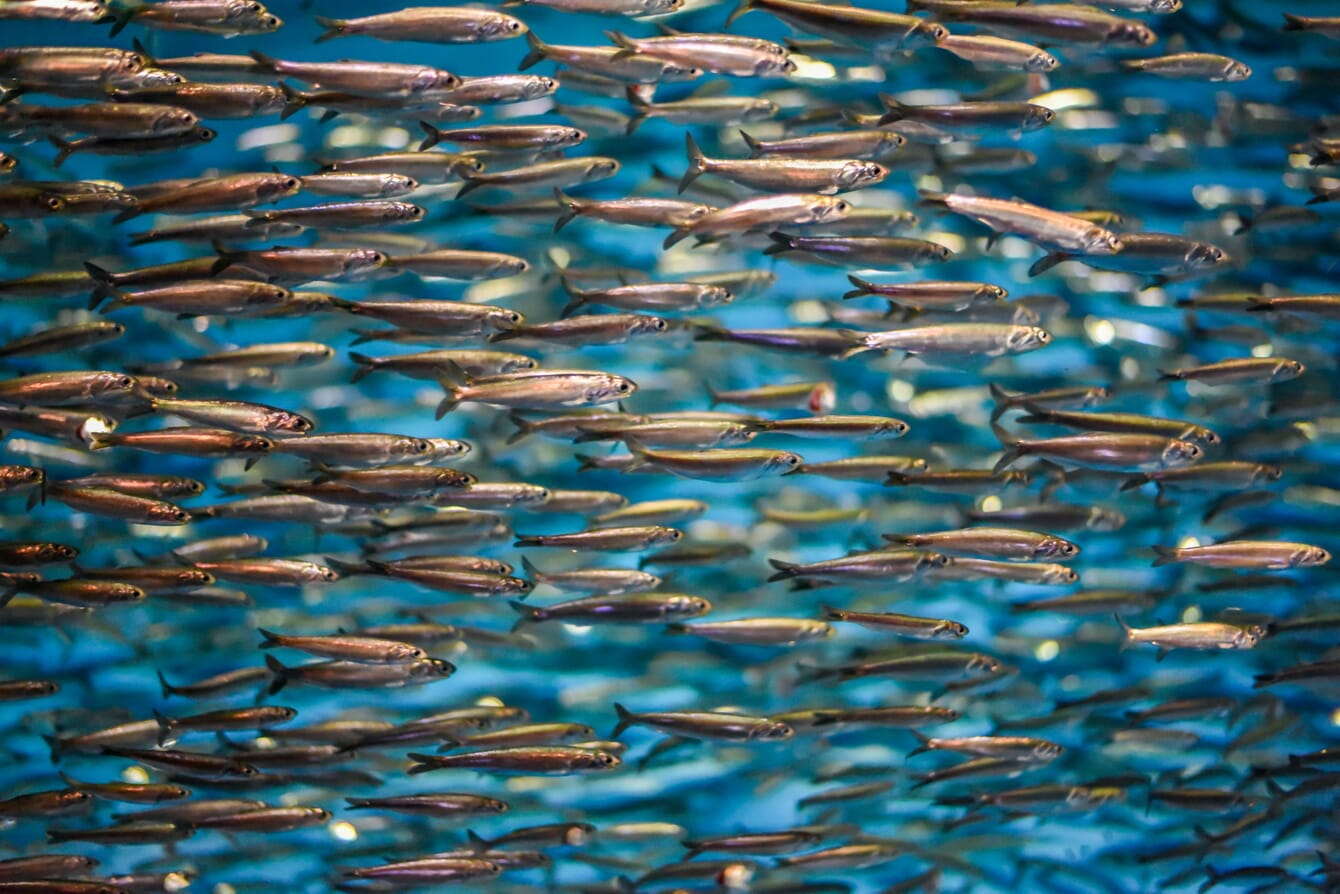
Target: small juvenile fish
(633,210)
(260,717)
(377,79)
(659,297)
(170,142)
(863,427)
(343,215)
(1069,23)
(428,365)
(115,504)
(895,716)
(724,464)
(1323,25)
(969,117)
(608,62)
(964,339)
(299,265)
(757,631)
(424,167)
(1198,635)
(1270,555)
(997,543)
(632,539)
(1121,422)
(602,581)
(704,725)
(1103,450)
(857,26)
(557,173)
(626,608)
(530,760)
(219,684)
(903,625)
(989,53)
(535,389)
(501,88)
(953,296)
(763,214)
(353,675)
(214,442)
(880,252)
(268,571)
(225,18)
(1246,370)
(429,870)
(894,564)
(972,568)
(1192,66)
(427,24)
(1052,230)
(461,264)
(842,144)
(443,804)
(505,137)
(719,110)
(343,647)
(591,329)
(234,415)
(923,666)
(817,397)
(816,175)
(453,318)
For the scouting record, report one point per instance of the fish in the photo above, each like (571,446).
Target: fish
(427,24)
(820,176)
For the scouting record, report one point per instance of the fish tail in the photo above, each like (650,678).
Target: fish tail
(930,199)
(164,728)
(225,260)
(744,7)
(268,61)
(1047,262)
(755,147)
(785,570)
(893,109)
(526,540)
(1292,22)
(587,463)
(125,215)
(1166,555)
(56,747)
(679,235)
(1135,481)
(524,427)
(280,672)
(923,739)
(697,163)
(627,45)
(531,571)
(863,286)
(334,28)
(432,136)
(1125,630)
(471,183)
(781,243)
(571,208)
(1319,195)
(123,18)
(1008,458)
(707,332)
(272,639)
(1167,375)
(626,719)
(529,614)
(425,762)
(366,366)
(65,147)
(477,844)
(537,51)
(294,100)
(1260,681)
(810,673)
(829,613)
(168,689)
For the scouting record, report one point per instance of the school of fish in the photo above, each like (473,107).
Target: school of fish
(632,446)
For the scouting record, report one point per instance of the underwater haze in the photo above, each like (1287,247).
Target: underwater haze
(651,445)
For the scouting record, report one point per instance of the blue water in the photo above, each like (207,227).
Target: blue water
(1171,156)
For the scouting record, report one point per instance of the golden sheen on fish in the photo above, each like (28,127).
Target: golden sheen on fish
(497,393)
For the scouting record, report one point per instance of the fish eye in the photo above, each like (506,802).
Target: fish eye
(422,446)
(179,515)
(512,317)
(624,387)
(793,460)
(513,25)
(292,183)
(416,212)
(204,134)
(843,206)
(606,760)
(125,382)
(53,203)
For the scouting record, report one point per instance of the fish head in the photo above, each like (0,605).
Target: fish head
(1180,453)
(1237,71)
(290,423)
(1100,241)
(829,208)
(1048,751)
(1041,62)
(1165,6)
(935,252)
(602,167)
(427,79)
(323,574)
(252,444)
(649,324)
(505,318)
(129,63)
(668,535)
(1204,255)
(278,188)
(1038,116)
(775,730)
(949,630)
(174,120)
(1027,338)
(502,26)
(406,652)
(412,447)
(167,514)
(1243,639)
(688,607)
(1267,473)
(1055,546)
(856,173)
(113,383)
(650,7)
(364,259)
(1204,435)
(398,184)
(1287,369)
(710,296)
(601,760)
(565,136)
(1059,574)
(204,134)
(1133,33)
(785,462)
(8,163)
(932,560)
(1097,395)
(578,834)
(983,665)
(194,577)
(988,292)
(432,667)
(1312,555)
(673,72)
(404,211)
(539,86)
